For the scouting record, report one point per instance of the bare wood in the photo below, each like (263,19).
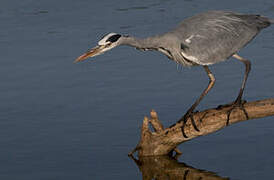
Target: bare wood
(158,127)
(163,141)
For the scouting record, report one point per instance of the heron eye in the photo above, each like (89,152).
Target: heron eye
(107,45)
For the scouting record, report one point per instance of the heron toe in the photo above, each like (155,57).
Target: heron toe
(230,104)
(236,104)
(185,118)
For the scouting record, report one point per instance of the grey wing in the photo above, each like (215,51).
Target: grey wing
(214,36)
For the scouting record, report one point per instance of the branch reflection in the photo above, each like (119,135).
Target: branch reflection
(167,168)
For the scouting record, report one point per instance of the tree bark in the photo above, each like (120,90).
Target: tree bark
(163,141)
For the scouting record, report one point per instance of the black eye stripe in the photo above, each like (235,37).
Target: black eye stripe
(113,38)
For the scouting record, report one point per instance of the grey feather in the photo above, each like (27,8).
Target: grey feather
(204,39)
(217,35)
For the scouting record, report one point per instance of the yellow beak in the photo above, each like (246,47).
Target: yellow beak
(91,53)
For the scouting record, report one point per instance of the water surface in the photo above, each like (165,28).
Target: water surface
(60,120)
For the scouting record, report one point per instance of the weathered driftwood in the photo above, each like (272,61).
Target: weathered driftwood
(165,167)
(164,141)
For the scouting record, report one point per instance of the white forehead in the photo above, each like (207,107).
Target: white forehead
(103,41)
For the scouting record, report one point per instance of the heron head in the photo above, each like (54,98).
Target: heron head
(108,42)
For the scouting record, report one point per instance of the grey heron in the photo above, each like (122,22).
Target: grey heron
(201,40)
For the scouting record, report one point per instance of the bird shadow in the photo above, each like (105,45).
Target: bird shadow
(166,167)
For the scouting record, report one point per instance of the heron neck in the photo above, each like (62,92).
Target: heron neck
(146,43)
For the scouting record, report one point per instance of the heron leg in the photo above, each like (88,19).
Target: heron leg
(189,113)
(239,102)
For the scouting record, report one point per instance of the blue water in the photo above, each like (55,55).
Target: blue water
(60,120)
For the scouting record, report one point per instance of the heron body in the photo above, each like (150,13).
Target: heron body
(204,39)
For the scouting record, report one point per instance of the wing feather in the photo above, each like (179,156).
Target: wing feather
(214,36)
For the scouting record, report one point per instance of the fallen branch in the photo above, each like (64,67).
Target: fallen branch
(164,141)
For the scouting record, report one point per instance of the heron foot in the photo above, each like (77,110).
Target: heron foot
(231,104)
(189,114)
(236,104)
